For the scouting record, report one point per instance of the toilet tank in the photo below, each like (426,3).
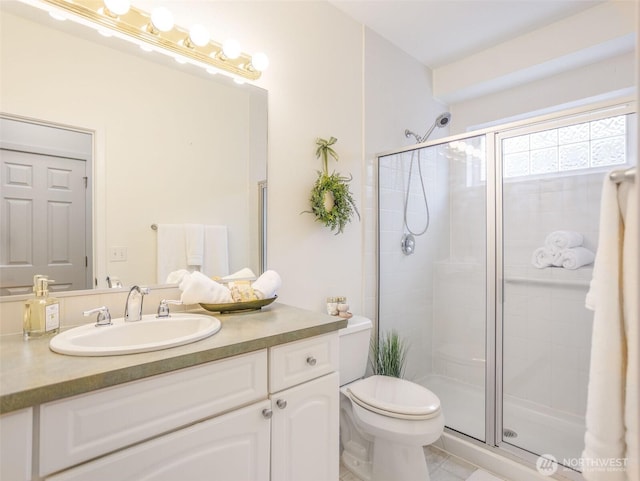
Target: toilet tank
(354,349)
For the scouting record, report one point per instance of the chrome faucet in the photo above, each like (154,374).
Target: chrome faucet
(133,307)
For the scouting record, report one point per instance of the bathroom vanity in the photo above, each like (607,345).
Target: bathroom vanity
(257,401)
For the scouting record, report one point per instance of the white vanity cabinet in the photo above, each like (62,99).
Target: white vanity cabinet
(15,445)
(304,387)
(272,414)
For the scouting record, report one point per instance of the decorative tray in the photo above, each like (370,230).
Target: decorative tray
(239,306)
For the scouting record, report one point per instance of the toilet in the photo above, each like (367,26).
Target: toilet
(384,421)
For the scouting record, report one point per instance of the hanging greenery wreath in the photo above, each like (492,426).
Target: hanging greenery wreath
(331,200)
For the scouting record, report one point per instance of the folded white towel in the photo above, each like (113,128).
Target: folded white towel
(196,288)
(576,257)
(545,257)
(267,284)
(194,244)
(244,274)
(564,239)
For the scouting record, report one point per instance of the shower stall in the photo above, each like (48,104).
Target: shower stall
(504,343)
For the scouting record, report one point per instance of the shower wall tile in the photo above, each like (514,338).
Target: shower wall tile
(547,315)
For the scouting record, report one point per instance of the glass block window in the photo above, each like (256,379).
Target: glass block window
(586,145)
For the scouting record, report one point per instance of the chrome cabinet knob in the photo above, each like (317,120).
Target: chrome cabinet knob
(267,413)
(281,403)
(311,361)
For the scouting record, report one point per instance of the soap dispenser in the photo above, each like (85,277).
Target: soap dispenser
(42,313)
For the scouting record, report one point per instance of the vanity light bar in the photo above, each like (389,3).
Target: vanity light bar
(136,25)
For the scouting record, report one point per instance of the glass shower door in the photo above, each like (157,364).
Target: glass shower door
(435,297)
(552,177)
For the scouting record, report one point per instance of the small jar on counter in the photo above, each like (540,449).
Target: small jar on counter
(342,304)
(332,306)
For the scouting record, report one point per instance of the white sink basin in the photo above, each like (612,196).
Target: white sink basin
(148,334)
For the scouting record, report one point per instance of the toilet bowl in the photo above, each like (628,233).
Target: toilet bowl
(384,421)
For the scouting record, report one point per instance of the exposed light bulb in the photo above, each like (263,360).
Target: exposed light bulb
(118,7)
(231,49)
(162,19)
(260,61)
(199,35)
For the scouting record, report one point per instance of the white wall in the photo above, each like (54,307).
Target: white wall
(328,77)
(397,96)
(598,81)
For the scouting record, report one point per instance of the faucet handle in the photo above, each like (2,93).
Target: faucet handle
(104,316)
(163,308)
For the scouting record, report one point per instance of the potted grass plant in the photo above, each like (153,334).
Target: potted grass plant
(388,355)
(331,200)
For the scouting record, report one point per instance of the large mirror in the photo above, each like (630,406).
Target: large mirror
(172,144)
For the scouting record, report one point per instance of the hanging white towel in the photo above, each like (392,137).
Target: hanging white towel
(171,251)
(216,251)
(612,404)
(194,244)
(576,257)
(628,200)
(564,239)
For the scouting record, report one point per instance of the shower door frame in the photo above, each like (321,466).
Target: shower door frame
(494,321)
(584,113)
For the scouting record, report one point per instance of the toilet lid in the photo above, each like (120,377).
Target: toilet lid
(395,397)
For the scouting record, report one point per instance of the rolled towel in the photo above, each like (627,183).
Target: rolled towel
(576,257)
(176,277)
(244,274)
(196,288)
(564,239)
(546,257)
(267,284)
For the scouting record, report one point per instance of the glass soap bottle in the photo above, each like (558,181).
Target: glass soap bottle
(42,313)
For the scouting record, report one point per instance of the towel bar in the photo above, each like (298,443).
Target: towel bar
(618,176)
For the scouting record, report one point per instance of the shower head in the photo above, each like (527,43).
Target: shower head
(441,121)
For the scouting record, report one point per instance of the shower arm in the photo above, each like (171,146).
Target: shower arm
(426,136)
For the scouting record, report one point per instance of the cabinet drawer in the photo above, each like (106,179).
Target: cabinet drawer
(231,447)
(83,427)
(300,361)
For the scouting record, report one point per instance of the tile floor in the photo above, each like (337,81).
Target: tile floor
(442,467)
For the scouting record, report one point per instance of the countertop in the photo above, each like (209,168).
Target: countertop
(31,374)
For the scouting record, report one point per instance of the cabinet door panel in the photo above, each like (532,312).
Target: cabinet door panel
(305,431)
(232,447)
(15,445)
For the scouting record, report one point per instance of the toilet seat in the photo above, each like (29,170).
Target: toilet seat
(395,398)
